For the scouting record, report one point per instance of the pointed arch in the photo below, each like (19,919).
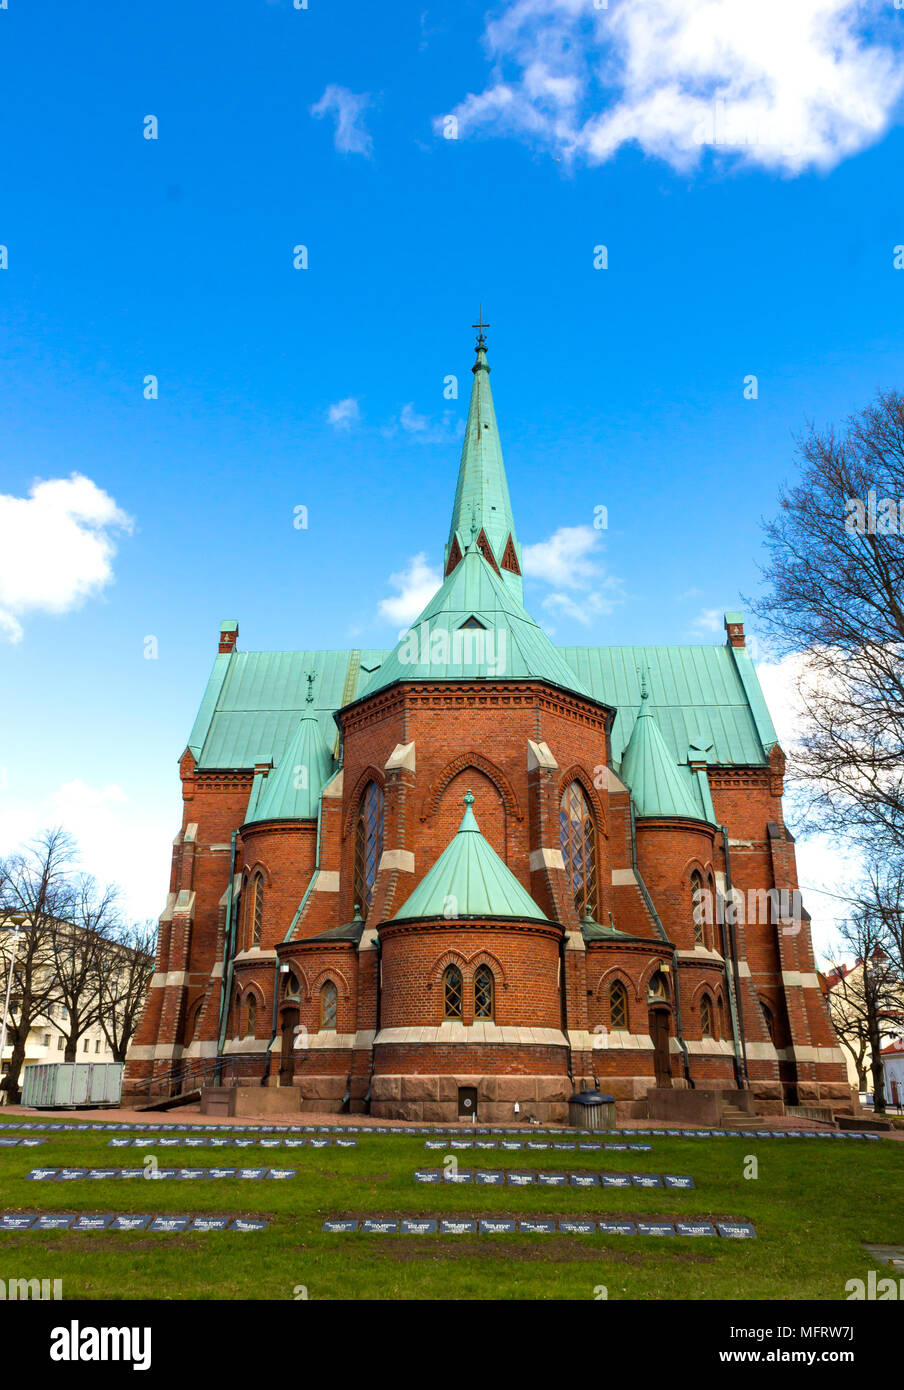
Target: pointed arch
(453,995)
(442,963)
(619,1008)
(489,769)
(578,830)
(616,972)
(369,774)
(328,1006)
(329,972)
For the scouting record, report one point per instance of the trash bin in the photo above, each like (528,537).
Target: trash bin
(591,1110)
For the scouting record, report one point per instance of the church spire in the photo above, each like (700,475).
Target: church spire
(482,495)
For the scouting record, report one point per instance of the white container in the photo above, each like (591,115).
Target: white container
(47,1085)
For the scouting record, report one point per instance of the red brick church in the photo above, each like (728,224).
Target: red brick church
(482,868)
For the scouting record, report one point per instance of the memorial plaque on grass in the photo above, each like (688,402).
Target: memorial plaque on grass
(129,1221)
(44,1174)
(375,1227)
(461,1143)
(133,1172)
(590,1148)
(270,1143)
(172,1224)
(451,1226)
(463,1175)
(655,1228)
(318,1143)
(414,1227)
(536,1228)
(194,1142)
(251,1173)
(565,1146)
(736,1230)
(428,1175)
(584,1180)
(490,1179)
(245,1223)
(340,1143)
(8,1143)
(486,1144)
(296,1143)
(511,1144)
(282,1173)
(646,1180)
(53,1221)
(103,1174)
(18,1221)
(119,1143)
(186,1174)
(170,1143)
(680,1180)
(94,1221)
(616,1148)
(218,1143)
(615,1180)
(341,1227)
(520,1179)
(641,1148)
(221,1172)
(552,1179)
(537,1144)
(695,1228)
(31,1143)
(578,1228)
(209,1223)
(493,1226)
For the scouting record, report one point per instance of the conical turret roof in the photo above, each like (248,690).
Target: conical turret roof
(649,770)
(292,790)
(469,880)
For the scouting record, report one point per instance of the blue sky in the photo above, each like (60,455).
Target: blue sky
(729,254)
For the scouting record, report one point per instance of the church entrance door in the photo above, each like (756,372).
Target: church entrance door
(290,1019)
(659,1032)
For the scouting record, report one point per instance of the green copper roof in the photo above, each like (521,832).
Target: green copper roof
(469,880)
(292,790)
(500,642)
(649,769)
(482,497)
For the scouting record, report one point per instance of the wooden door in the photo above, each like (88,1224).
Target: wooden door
(659,1032)
(290,1019)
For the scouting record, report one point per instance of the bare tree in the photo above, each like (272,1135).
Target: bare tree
(867,1002)
(80,946)
(836,577)
(35,896)
(122,982)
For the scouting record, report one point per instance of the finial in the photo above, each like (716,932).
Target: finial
(310,699)
(473,525)
(469,797)
(481,336)
(644,692)
(358,917)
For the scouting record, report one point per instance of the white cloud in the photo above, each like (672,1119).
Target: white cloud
(416,585)
(709,620)
(343,414)
(352,136)
(422,429)
(117,841)
(56,548)
(567,561)
(786,84)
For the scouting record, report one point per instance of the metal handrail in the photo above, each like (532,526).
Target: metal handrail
(186,1076)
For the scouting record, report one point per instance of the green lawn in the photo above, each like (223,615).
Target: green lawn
(813,1203)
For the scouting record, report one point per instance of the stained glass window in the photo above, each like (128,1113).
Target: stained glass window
(578,836)
(618,1007)
(483,992)
(329,999)
(452,992)
(699,907)
(368,844)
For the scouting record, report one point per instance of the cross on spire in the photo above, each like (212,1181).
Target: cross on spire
(480,326)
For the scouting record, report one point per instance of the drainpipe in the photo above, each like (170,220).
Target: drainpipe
(373,1050)
(564,1012)
(273,1028)
(228,953)
(729,938)
(679,1030)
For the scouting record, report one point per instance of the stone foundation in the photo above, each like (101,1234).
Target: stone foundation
(434,1098)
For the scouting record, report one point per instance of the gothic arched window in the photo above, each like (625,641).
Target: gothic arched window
(698,903)
(769,1020)
(256,909)
(368,844)
(452,992)
(251,1027)
(484,992)
(706,1017)
(291,987)
(329,1001)
(618,1007)
(577,833)
(658,988)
